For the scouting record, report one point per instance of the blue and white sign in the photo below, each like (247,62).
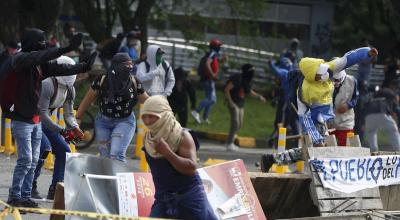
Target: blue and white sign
(353,174)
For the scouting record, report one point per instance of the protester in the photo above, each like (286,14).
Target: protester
(20,88)
(117,93)
(391,68)
(314,100)
(364,68)
(179,96)
(236,89)
(10,49)
(171,154)
(295,54)
(108,49)
(285,115)
(69,31)
(381,113)
(208,71)
(345,97)
(315,94)
(363,82)
(156,73)
(131,44)
(56,92)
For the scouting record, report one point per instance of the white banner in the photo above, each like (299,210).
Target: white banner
(353,174)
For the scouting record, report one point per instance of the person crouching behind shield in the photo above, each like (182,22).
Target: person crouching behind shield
(171,154)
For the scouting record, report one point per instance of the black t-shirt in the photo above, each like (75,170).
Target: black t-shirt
(238,92)
(122,105)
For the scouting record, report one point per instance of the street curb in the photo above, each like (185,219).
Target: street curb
(243,142)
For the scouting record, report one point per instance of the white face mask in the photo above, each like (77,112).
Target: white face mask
(323,71)
(325,77)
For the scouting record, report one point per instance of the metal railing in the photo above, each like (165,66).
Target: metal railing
(187,54)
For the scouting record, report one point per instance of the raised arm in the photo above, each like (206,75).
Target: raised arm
(52,68)
(353,57)
(279,72)
(28,59)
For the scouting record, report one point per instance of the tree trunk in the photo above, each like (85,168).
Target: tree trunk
(20,14)
(128,20)
(92,19)
(41,14)
(141,18)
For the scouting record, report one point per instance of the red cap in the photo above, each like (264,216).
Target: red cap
(215,43)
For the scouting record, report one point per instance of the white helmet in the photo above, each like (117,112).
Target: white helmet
(66,80)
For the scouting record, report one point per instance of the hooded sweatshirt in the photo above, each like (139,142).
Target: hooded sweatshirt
(20,89)
(154,81)
(320,92)
(61,94)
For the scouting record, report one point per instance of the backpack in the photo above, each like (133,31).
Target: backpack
(165,66)
(201,69)
(8,85)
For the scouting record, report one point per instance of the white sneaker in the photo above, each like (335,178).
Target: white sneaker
(206,121)
(232,147)
(196,116)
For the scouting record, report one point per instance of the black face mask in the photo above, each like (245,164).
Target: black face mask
(33,39)
(216,49)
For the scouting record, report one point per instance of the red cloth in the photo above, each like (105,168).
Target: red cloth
(36,119)
(341,136)
(215,66)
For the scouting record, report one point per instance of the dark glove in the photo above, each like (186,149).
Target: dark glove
(75,42)
(89,61)
(70,136)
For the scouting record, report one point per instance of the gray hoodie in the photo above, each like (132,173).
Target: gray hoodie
(64,98)
(154,81)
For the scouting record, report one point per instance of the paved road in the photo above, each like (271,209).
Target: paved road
(208,150)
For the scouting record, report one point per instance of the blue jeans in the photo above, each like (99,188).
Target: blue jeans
(317,115)
(192,204)
(54,142)
(114,135)
(209,100)
(28,138)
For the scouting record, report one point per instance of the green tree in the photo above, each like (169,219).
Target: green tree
(99,17)
(193,22)
(374,20)
(97,21)
(140,17)
(20,14)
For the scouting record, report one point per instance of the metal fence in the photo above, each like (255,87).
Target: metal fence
(188,54)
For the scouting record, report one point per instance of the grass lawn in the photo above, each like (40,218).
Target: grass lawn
(258,117)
